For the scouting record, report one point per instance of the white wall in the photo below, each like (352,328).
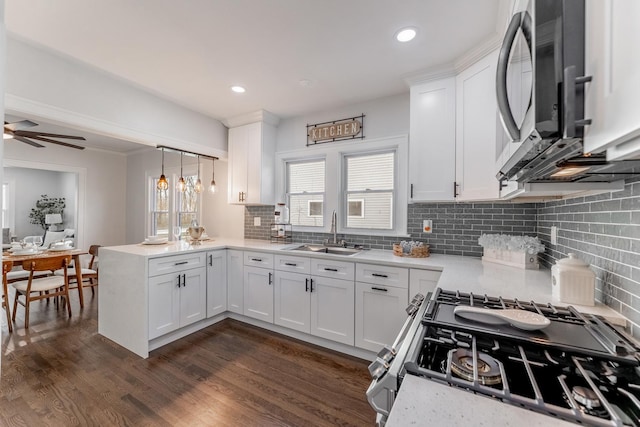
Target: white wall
(61,89)
(27,187)
(106,185)
(219,218)
(384,117)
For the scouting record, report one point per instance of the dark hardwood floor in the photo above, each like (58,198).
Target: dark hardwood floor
(60,372)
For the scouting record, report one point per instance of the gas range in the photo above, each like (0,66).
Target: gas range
(579,368)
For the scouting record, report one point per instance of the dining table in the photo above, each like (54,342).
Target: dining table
(46,253)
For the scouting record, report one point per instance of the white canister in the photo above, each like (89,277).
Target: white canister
(573,282)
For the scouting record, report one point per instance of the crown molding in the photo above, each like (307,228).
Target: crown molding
(433,73)
(256,116)
(474,55)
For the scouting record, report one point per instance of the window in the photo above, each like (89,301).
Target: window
(305,188)
(171,207)
(355,208)
(369,190)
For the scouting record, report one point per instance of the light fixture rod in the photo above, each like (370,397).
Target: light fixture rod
(193,153)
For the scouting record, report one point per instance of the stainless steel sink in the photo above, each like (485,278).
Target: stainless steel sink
(334,250)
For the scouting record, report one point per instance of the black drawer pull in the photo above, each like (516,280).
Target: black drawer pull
(379,289)
(311,285)
(291,264)
(384,276)
(256,259)
(331,269)
(306,284)
(181,263)
(270,278)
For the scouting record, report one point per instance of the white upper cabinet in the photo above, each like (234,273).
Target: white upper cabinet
(251,163)
(612,97)
(476,139)
(432,140)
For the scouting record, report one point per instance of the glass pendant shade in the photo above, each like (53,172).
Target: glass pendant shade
(163,184)
(212,186)
(181,186)
(198,187)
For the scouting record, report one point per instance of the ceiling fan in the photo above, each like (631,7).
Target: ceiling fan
(15,131)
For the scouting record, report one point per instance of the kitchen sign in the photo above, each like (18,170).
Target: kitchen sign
(337,130)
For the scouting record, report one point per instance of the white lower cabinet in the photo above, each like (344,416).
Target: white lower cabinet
(422,281)
(379,306)
(176,300)
(318,304)
(332,309)
(258,293)
(235,281)
(292,301)
(216,282)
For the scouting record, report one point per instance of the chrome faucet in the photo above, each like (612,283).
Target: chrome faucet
(333,231)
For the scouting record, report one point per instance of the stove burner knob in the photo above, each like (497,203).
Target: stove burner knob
(586,397)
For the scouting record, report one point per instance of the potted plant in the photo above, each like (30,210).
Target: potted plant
(44,206)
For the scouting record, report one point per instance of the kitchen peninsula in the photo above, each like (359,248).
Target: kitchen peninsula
(151,295)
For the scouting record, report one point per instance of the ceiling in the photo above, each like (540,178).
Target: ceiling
(343,51)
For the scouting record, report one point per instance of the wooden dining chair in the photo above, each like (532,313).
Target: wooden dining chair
(6,267)
(89,274)
(34,289)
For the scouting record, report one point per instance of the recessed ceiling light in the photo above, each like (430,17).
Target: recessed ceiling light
(406,34)
(238,89)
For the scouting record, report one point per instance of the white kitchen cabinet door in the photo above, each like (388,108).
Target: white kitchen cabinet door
(422,281)
(432,141)
(292,298)
(251,164)
(380,314)
(258,293)
(193,296)
(611,98)
(235,281)
(476,142)
(164,304)
(216,282)
(332,309)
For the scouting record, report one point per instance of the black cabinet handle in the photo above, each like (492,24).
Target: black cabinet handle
(291,264)
(375,288)
(179,283)
(306,284)
(210,260)
(256,259)
(184,280)
(311,285)
(331,269)
(181,263)
(270,278)
(384,276)
(412,191)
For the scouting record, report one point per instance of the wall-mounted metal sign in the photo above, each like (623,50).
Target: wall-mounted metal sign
(337,130)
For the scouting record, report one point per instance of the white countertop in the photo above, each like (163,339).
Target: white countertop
(420,402)
(464,274)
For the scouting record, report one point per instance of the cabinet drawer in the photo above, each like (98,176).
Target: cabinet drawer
(331,268)
(175,263)
(293,263)
(258,259)
(382,275)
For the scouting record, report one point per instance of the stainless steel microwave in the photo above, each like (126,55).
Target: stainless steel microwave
(539,85)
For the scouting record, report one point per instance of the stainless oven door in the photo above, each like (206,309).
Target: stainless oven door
(515,77)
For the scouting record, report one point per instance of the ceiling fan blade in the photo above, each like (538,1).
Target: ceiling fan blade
(31,134)
(66,144)
(26,141)
(24,124)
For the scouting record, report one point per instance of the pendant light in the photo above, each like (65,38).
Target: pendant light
(181,186)
(163,184)
(212,186)
(198,187)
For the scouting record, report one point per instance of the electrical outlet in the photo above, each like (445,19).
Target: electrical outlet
(554,235)
(427,226)
(256,221)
